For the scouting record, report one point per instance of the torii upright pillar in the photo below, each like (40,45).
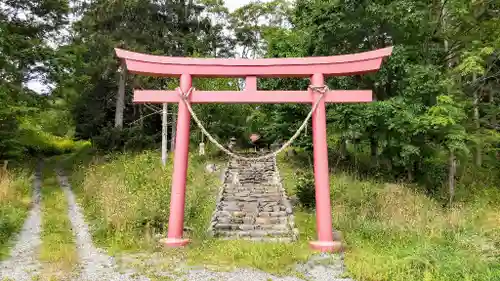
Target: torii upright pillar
(316,68)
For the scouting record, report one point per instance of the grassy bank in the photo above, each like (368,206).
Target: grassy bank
(15,199)
(392,232)
(126,198)
(395,233)
(58,250)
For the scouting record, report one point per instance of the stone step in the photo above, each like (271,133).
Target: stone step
(246,227)
(251,198)
(255,179)
(260,204)
(248,180)
(245,187)
(242,195)
(246,192)
(250,188)
(236,192)
(251,213)
(255,209)
(252,233)
(243,161)
(255,206)
(249,219)
(269,166)
(253,187)
(254,173)
(263,239)
(244,167)
(253,170)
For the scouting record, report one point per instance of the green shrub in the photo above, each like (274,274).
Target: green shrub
(305,190)
(394,232)
(37,142)
(129,139)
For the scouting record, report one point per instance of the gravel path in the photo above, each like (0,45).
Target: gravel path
(23,264)
(320,267)
(94,263)
(320,273)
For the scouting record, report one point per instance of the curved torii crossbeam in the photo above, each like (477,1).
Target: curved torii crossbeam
(314,67)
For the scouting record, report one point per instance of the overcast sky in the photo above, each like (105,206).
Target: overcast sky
(234,4)
(231,4)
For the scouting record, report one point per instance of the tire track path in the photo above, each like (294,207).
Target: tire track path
(23,264)
(94,263)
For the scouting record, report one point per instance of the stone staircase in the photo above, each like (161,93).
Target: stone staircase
(252,204)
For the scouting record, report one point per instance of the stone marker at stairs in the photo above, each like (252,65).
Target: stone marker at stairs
(252,204)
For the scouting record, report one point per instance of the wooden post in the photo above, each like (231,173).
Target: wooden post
(172,134)
(477,124)
(164,132)
(120,98)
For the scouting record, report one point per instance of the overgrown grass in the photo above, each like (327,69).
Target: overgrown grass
(15,199)
(58,250)
(392,232)
(126,198)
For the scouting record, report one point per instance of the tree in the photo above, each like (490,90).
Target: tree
(87,68)
(26,27)
(395,130)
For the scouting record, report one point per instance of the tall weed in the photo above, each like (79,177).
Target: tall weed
(393,232)
(127,198)
(14,205)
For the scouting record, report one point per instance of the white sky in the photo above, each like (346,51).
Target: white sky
(235,4)
(230,4)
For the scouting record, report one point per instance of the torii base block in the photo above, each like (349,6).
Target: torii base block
(174,242)
(316,68)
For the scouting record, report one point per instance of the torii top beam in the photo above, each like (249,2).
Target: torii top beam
(341,65)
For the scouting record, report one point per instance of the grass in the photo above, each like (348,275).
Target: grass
(392,232)
(228,255)
(395,233)
(58,250)
(122,200)
(127,207)
(15,199)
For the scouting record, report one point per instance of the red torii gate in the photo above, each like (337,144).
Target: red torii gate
(314,67)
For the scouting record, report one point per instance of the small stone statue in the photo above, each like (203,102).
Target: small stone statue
(232,143)
(236,180)
(211,168)
(275,146)
(201,151)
